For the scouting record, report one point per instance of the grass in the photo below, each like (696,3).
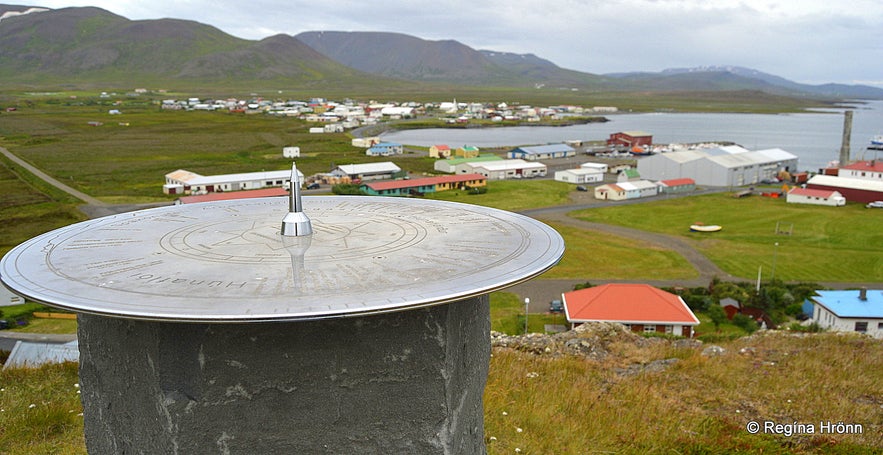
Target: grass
(591,256)
(699,405)
(827,244)
(570,405)
(507,316)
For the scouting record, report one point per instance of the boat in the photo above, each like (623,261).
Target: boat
(699,227)
(876,143)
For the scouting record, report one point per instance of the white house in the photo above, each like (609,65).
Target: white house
(7,297)
(850,311)
(816,197)
(291,152)
(579,176)
(186,182)
(367,171)
(600,166)
(509,169)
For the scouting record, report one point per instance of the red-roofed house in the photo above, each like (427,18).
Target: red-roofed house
(817,197)
(640,307)
(869,170)
(440,151)
(683,185)
(424,185)
(229,195)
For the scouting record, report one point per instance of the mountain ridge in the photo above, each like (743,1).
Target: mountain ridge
(79,46)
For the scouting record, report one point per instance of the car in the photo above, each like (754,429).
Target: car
(313,186)
(556,306)
(581,188)
(875,205)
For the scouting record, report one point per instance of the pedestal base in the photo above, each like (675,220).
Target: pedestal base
(405,382)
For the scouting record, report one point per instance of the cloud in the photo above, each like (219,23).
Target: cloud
(802,40)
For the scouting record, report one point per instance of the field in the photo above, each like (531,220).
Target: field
(824,244)
(537,404)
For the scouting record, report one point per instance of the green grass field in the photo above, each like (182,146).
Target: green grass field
(826,244)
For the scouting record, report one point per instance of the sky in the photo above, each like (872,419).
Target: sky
(807,41)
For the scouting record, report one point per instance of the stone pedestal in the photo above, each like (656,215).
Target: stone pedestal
(404,382)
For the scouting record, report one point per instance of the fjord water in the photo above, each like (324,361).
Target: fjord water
(815,137)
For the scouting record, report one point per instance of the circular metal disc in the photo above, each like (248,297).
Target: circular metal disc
(227,262)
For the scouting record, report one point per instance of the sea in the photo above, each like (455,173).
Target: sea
(815,136)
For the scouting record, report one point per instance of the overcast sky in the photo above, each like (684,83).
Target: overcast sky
(809,41)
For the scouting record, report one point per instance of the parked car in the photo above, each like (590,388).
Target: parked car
(581,188)
(875,205)
(313,186)
(4,324)
(556,306)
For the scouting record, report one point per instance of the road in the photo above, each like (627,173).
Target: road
(539,290)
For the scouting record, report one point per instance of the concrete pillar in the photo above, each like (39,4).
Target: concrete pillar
(404,382)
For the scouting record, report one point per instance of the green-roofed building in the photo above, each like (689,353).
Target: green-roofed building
(450,165)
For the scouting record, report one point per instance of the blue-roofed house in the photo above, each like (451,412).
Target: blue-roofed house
(542,152)
(858,310)
(385,149)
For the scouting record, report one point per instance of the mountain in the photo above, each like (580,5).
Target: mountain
(740,78)
(411,58)
(88,46)
(91,45)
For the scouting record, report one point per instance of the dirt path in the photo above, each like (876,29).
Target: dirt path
(45,177)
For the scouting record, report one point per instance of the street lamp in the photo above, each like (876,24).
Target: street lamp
(775,251)
(526,304)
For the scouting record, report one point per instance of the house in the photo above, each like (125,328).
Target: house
(424,185)
(32,354)
(457,165)
(626,190)
(640,307)
(869,170)
(186,182)
(731,307)
(7,297)
(365,142)
(542,152)
(508,169)
(599,166)
(385,149)
(720,166)
(853,189)
(816,197)
(230,195)
(290,152)
(467,151)
(368,171)
(579,176)
(440,151)
(675,186)
(628,175)
(630,139)
(611,192)
(858,310)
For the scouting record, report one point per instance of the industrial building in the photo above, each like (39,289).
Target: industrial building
(542,152)
(722,166)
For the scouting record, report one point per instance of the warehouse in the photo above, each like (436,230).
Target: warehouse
(542,152)
(722,166)
(509,169)
(579,176)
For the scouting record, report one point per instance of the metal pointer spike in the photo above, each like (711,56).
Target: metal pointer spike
(295,222)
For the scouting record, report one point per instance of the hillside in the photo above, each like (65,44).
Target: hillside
(408,57)
(91,45)
(739,78)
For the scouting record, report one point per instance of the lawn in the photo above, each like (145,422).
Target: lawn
(825,244)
